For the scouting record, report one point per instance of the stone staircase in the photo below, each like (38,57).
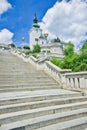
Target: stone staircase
(30,99)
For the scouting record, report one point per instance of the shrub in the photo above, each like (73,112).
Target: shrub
(36,49)
(11,45)
(19,47)
(28,52)
(57,62)
(72,60)
(26,47)
(82,67)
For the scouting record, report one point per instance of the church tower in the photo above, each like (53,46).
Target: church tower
(35,33)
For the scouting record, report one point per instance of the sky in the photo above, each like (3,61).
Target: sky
(66,19)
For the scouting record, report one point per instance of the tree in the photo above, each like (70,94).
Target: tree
(72,60)
(83,53)
(84,46)
(68,49)
(26,47)
(36,49)
(19,47)
(11,45)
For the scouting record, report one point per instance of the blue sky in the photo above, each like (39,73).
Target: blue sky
(66,19)
(19,18)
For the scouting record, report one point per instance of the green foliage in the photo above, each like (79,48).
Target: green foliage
(48,51)
(27,52)
(36,49)
(57,62)
(84,46)
(72,60)
(26,47)
(19,47)
(69,49)
(81,67)
(11,45)
(43,51)
(34,55)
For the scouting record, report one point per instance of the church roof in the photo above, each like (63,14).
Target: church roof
(41,36)
(36,25)
(35,22)
(56,40)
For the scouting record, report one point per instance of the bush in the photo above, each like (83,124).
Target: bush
(57,62)
(28,52)
(82,67)
(26,47)
(43,51)
(11,45)
(68,49)
(36,49)
(19,47)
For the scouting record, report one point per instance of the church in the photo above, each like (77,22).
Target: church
(54,46)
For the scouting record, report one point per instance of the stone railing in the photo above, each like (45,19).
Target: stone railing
(55,71)
(66,79)
(76,80)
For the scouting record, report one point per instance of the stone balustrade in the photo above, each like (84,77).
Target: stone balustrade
(66,79)
(76,80)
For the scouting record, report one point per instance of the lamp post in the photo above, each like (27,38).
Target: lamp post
(23,39)
(46,35)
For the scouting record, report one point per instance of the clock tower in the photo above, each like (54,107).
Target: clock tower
(35,33)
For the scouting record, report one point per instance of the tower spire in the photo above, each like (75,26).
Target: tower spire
(35,21)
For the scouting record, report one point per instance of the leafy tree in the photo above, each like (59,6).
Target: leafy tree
(36,48)
(27,52)
(68,49)
(26,47)
(81,67)
(84,46)
(72,60)
(11,45)
(19,47)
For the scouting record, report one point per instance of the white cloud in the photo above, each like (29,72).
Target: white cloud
(67,20)
(4,6)
(6,36)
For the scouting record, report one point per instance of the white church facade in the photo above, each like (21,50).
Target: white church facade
(55,47)
(36,36)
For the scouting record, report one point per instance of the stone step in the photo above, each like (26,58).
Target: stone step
(30,96)
(17,73)
(29,88)
(42,121)
(30,84)
(75,124)
(39,104)
(27,85)
(21,115)
(20,74)
(28,80)
(24,77)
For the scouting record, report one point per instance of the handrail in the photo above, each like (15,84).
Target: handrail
(66,78)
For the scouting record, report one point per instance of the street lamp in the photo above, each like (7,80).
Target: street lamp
(46,35)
